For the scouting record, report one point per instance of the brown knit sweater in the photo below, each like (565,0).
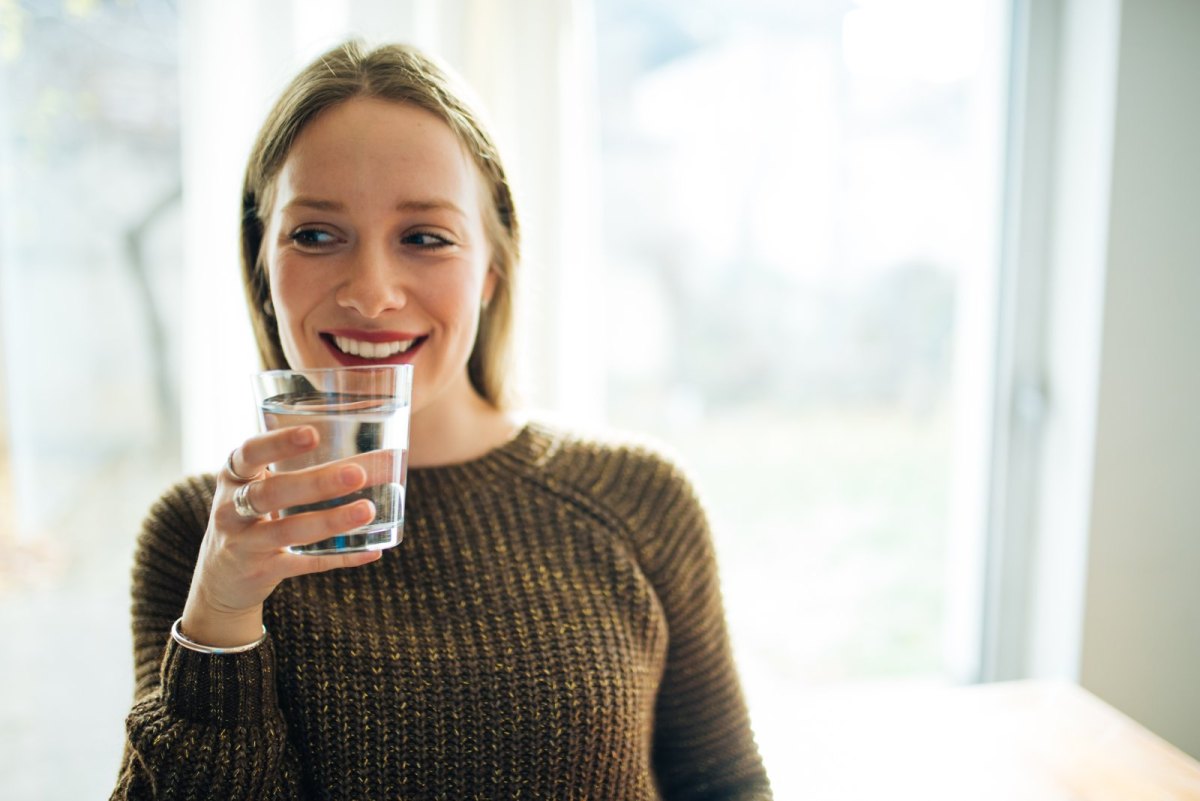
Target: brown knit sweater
(550,627)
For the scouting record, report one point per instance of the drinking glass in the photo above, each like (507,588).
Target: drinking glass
(361,415)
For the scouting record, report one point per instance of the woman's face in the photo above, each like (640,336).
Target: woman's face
(375,248)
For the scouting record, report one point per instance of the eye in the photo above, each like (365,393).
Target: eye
(313,238)
(426,240)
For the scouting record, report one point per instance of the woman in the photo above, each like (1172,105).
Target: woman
(551,626)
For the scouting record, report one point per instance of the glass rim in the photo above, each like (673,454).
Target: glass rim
(279,371)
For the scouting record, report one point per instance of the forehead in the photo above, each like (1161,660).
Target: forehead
(367,147)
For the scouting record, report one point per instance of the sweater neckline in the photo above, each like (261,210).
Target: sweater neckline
(526,448)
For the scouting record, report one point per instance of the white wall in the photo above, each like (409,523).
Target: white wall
(1141,628)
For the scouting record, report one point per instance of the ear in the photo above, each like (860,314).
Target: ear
(489,287)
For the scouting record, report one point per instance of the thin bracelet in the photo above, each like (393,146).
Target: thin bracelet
(192,645)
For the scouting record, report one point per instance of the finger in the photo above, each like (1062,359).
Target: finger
(256,453)
(301,564)
(382,466)
(237,469)
(310,527)
(308,486)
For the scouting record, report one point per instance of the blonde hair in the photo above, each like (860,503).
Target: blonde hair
(402,74)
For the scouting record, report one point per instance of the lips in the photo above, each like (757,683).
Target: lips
(372,347)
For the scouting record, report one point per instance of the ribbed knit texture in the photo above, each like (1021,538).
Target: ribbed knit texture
(550,627)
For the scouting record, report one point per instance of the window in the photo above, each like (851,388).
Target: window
(89,290)
(800,215)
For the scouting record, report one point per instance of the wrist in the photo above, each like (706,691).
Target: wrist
(234,689)
(223,630)
(192,645)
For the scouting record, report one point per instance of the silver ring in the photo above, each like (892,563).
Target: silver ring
(238,476)
(242,504)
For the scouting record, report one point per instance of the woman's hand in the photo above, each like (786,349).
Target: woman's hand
(242,560)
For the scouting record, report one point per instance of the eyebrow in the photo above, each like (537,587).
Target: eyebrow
(432,204)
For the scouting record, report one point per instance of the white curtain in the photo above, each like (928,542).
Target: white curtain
(529,61)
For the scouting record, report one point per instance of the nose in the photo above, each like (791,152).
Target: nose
(373,282)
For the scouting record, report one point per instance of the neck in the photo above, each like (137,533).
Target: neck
(444,434)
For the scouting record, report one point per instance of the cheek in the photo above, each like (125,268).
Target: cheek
(293,291)
(454,296)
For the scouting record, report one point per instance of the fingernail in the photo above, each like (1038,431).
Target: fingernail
(303,436)
(364,510)
(349,475)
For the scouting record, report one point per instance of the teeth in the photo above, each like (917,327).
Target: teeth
(372,350)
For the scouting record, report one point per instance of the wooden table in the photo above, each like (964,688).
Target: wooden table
(1018,741)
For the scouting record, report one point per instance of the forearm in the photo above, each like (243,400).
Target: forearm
(212,729)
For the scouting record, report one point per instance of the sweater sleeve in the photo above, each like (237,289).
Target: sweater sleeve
(202,726)
(703,744)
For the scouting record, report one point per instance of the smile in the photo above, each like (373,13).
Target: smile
(372,347)
(372,350)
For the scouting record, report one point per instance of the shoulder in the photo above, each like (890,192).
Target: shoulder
(640,480)
(603,456)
